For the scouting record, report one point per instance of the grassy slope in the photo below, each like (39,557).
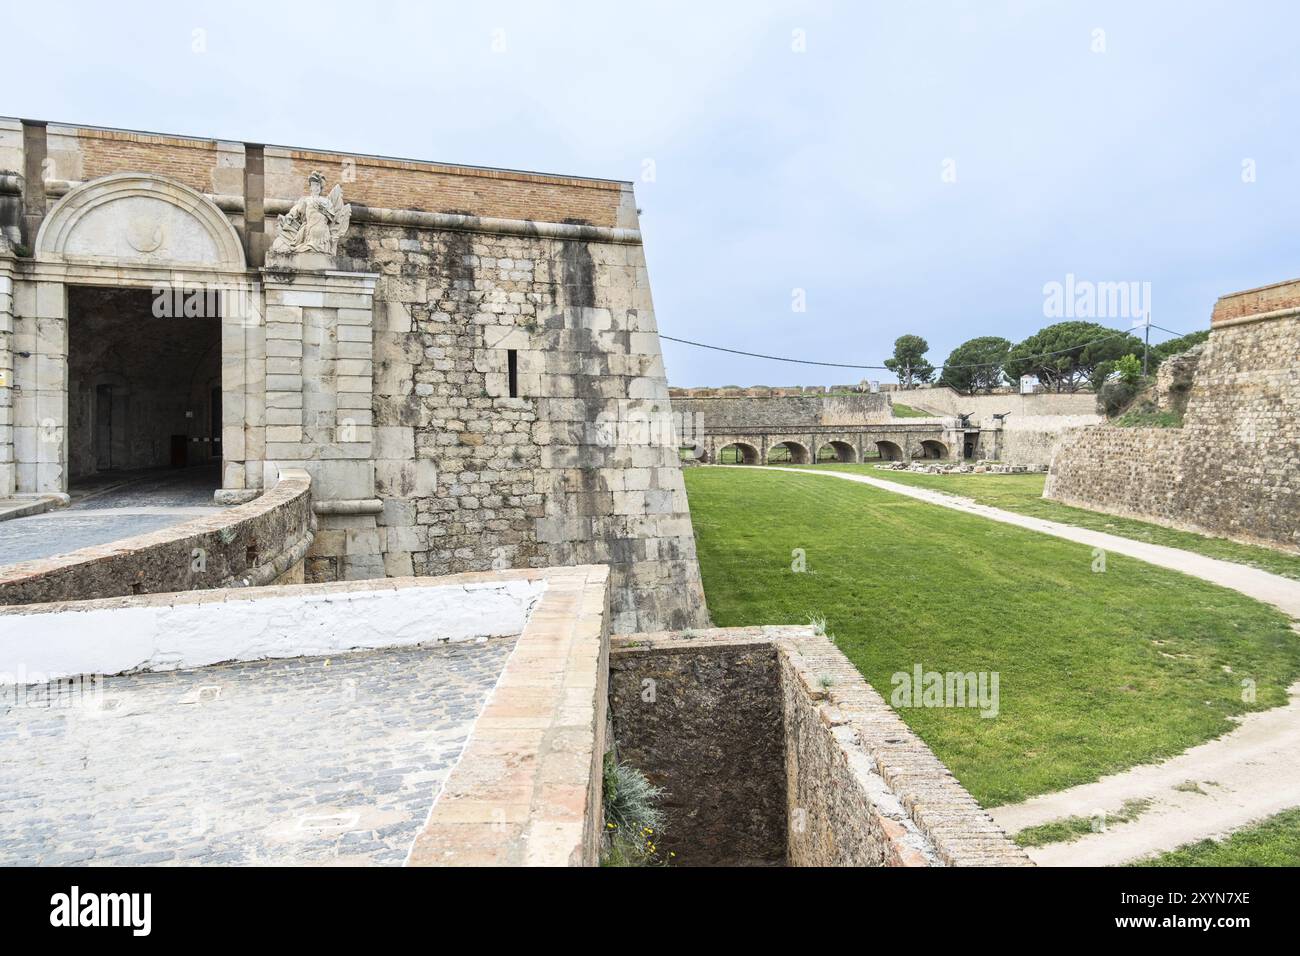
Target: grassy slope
(1275,842)
(1085,687)
(1023,494)
(907,411)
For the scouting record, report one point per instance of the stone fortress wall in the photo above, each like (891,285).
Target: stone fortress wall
(476,384)
(725,411)
(945,400)
(1033,427)
(1233,467)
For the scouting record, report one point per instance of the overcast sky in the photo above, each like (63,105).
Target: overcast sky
(920,167)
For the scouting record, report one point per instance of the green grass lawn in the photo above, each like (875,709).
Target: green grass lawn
(1023,494)
(1097,672)
(907,411)
(1275,842)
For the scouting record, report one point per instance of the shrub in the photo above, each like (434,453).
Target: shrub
(1116,395)
(1121,385)
(1129,368)
(633,818)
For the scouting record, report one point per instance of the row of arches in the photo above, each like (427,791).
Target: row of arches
(797,453)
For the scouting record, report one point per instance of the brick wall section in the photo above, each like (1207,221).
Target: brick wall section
(943,400)
(259,543)
(855,786)
(764,391)
(196,163)
(398,184)
(8,471)
(217,167)
(1232,469)
(1028,442)
(1269,298)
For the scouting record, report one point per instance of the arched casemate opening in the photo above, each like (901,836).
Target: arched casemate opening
(837,451)
(738,453)
(933,449)
(889,451)
(788,452)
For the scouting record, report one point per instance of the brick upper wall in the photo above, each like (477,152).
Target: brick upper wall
(192,162)
(1269,298)
(402,184)
(81,153)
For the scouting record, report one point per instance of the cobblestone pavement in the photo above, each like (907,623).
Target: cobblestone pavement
(110,507)
(302,761)
(149,488)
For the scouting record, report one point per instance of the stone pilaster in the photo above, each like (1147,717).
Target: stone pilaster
(243,401)
(40,386)
(8,474)
(318,396)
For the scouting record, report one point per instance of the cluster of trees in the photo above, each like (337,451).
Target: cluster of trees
(1064,357)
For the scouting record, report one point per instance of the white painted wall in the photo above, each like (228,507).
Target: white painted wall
(36,647)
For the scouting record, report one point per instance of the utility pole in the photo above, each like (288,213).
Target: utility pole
(1146,343)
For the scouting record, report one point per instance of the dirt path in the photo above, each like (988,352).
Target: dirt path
(1216,787)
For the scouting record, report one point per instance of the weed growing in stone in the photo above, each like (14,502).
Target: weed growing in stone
(634,820)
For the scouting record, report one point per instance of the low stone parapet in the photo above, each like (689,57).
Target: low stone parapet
(261,542)
(774,750)
(527,789)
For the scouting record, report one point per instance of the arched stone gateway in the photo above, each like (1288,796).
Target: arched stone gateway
(933,449)
(137,288)
(738,453)
(791,452)
(837,451)
(889,451)
(138,219)
(132,272)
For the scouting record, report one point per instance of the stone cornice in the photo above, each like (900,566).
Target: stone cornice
(1257,317)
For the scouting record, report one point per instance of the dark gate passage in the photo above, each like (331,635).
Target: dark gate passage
(144,381)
